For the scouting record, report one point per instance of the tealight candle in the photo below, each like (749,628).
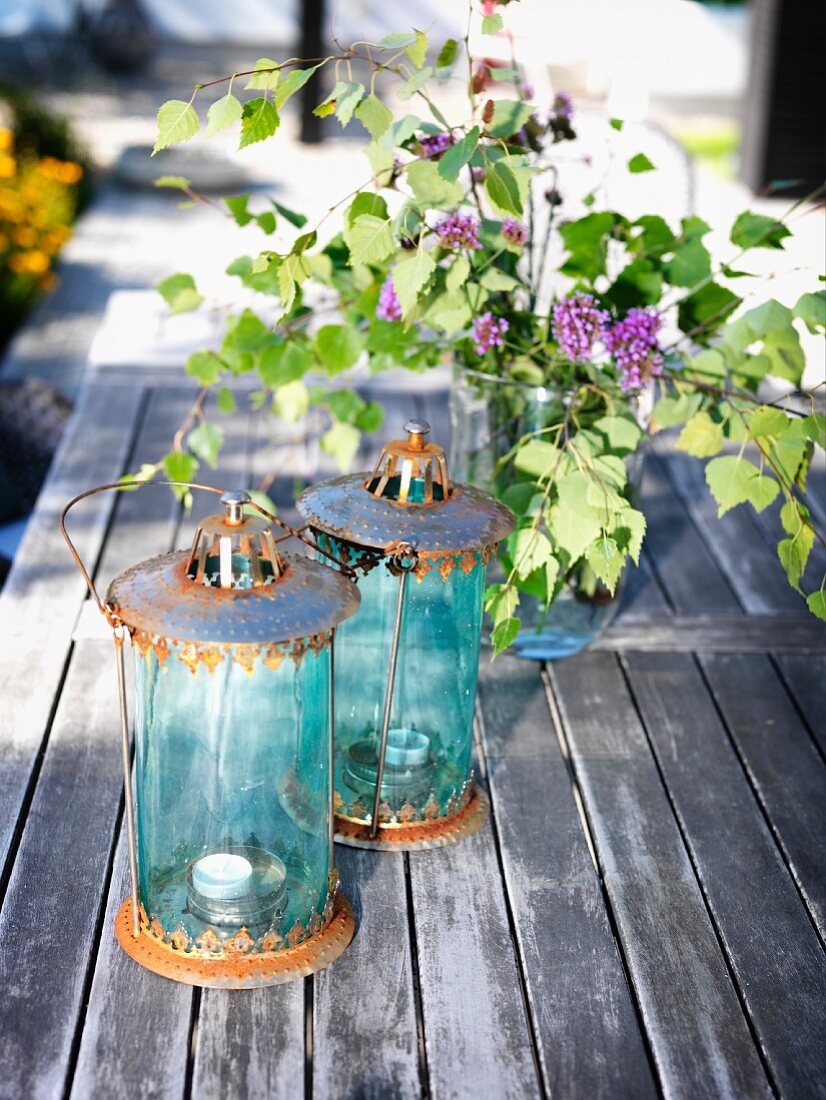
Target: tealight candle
(221,875)
(406,748)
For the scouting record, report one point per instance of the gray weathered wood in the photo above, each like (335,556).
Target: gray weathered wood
(477,1034)
(787,771)
(806,677)
(365,1039)
(696,1029)
(800,633)
(44,590)
(753,901)
(587,1032)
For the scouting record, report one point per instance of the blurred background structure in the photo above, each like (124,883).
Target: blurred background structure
(725,99)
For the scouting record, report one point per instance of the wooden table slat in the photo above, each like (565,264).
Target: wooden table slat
(806,677)
(755,905)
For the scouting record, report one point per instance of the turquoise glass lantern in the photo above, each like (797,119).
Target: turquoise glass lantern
(231,832)
(407,661)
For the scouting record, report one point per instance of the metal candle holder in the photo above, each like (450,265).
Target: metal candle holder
(407,661)
(231,842)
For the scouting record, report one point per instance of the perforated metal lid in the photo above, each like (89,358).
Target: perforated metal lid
(409,498)
(234,586)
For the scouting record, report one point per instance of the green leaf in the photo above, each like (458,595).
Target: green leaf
(701,436)
(537,458)
(606,559)
(259,120)
(417,50)
(586,242)
(292,401)
(816,603)
(284,363)
(223,112)
(291,83)
(494,279)
(502,188)
(180,182)
(410,276)
(266,223)
(794,552)
(509,115)
(205,441)
(342,442)
(371,240)
(504,635)
(226,402)
(785,354)
(179,293)
(298,220)
(347,100)
(457,273)
(531,552)
(374,116)
(629,531)
(690,264)
(734,480)
(338,347)
(458,155)
(758,231)
(501,600)
(492,24)
(237,206)
(622,433)
(447,54)
(810,308)
(769,316)
(706,308)
(205,366)
(177,121)
(265,81)
(616,123)
(573,529)
(766,421)
(640,163)
(429,187)
(640,283)
(397,40)
(415,83)
(179,466)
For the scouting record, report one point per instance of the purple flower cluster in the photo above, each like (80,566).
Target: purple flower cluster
(561,117)
(434,145)
(459,231)
(563,106)
(577,324)
(633,344)
(514,231)
(389,307)
(489,332)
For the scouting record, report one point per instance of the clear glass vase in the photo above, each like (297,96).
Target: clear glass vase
(488,416)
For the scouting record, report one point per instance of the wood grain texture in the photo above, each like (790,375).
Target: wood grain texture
(787,771)
(44,590)
(752,898)
(696,1029)
(477,1035)
(365,1042)
(587,1032)
(805,677)
(800,633)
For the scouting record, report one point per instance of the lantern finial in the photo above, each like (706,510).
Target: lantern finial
(411,471)
(234,501)
(416,430)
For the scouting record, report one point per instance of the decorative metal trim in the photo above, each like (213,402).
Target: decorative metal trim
(240,964)
(361,560)
(244,654)
(418,835)
(358,813)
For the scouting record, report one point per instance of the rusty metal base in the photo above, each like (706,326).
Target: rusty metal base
(242,971)
(418,835)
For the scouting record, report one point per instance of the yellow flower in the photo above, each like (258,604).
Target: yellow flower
(8,166)
(6,139)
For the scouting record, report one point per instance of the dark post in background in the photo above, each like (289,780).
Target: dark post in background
(311,45)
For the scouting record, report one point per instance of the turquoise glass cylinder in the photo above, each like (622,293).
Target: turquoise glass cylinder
(428,771)
(232,793)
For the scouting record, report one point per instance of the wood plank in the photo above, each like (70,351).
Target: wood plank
(588,1036)
(684,564)
(234,1059)
(131,1012)
(642,593)
(771,945)
(477,1035)
(750,567)
(698,1035)
(44,590)
(805,677)
(786,770)
(365,1040)
(726,633)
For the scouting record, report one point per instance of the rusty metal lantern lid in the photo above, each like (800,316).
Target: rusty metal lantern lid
(233,587)
(407,498)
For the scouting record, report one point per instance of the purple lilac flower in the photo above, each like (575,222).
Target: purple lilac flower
(459,231)
(527,91)
(489,332)
(561,117)
(563,106)
(577,324)
(514,231)
(434,145)
(389,307)
(633,344)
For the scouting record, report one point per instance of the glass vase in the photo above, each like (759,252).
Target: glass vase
(489,415)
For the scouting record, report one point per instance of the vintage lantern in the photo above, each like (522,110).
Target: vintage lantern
(407,661)
(230,841)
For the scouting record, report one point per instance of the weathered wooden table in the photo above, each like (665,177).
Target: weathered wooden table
(644,913)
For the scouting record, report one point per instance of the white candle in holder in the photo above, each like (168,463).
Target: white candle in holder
(221,875)
(406,748)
